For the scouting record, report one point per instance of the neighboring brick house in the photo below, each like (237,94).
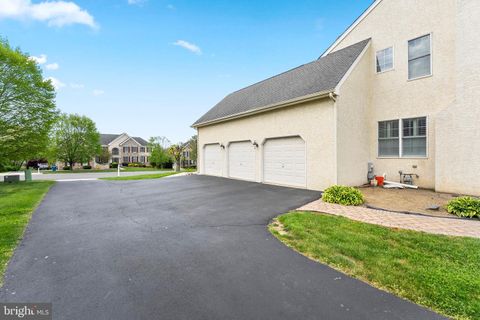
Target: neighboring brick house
(400,89)
(124,149)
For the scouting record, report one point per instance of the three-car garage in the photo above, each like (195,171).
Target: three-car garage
(279,161)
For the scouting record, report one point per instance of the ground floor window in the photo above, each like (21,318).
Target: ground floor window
(403,138)
(126,159)
(414,138)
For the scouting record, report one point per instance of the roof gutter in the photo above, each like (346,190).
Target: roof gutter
(283,104)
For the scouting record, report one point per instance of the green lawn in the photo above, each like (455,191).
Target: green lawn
(142,176)
(124,169)
(439,272)
(17,202)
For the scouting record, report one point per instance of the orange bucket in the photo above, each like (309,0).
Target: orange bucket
(380,180)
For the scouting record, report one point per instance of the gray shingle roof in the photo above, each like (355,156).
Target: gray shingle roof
(317,76)
(107,138)
(142,141)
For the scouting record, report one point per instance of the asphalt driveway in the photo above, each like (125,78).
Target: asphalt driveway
(190,247)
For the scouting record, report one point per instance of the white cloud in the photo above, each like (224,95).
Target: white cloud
(52,66)
(54,13)
(136,1)
(77,86)
(57,84)
(42,59)
(171,7)
(97,92)
(189,46)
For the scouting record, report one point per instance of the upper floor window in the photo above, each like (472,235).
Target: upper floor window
(126,149)
(134,149)
(384,60)
(115,151)
(419,57)
(142,149)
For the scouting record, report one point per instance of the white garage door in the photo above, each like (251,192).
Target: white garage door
(213,160)
(241,160)
(284,162)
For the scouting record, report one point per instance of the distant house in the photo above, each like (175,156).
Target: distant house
(187,157)
(124,149)
(399,89)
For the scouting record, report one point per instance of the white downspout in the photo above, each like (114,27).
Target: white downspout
(334,96)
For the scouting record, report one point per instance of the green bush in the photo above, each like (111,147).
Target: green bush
(87,167)
(66,168)
(464,207)
(347,196)
(113,165)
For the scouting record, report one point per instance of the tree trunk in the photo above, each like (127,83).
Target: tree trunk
(71,165)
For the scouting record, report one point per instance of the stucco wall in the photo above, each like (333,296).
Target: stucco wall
(353,110)
(458,126)
(393,23)
(313,121)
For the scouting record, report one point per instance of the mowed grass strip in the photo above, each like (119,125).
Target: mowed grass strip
(124,169)
(439,272)
(142,176)
(17,203)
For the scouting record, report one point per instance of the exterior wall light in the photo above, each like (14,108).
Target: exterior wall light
(222,146)
(255,144)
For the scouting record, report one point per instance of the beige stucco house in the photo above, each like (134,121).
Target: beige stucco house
(400,89)
(124,149)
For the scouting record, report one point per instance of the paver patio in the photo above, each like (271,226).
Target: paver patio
(436,225)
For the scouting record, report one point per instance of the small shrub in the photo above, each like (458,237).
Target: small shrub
(87,167)
(466,207)
(66,168)
(113,165)
(347,196)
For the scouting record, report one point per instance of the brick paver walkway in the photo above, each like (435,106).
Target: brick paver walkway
(445,226)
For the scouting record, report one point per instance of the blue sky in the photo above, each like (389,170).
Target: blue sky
(152,67)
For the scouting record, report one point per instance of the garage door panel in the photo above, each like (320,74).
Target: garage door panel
(241,160)
(284,161)
(213,160)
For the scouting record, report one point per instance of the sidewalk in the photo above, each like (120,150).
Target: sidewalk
(436,225)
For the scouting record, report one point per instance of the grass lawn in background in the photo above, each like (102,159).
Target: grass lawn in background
(124,169)
(142,176)
(17,203)
(438,272)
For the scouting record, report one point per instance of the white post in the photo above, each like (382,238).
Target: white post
(118,169)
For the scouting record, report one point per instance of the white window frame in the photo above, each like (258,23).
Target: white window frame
(431,58)
(393,60)
(400,137)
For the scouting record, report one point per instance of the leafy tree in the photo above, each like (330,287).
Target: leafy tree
(104,155)
(27,107)
(193,144)
(76,139)
(159,155)
(176,151)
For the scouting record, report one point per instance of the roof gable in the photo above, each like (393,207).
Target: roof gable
(106,138)
(351,27)
(322,75)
